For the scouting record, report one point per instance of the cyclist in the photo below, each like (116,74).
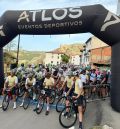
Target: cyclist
(93,78)
(68,87)
(85,79)
(29,84)
(67,84)
(60,79)
(48,84)
(55,76)
(11,84)
(104,78)
(78,95)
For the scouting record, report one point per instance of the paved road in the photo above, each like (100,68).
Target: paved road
(97,113)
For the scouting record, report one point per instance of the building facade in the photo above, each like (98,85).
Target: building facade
(52,58)
(96,52)
(75,59)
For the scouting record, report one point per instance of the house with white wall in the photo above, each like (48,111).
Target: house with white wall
(53,57)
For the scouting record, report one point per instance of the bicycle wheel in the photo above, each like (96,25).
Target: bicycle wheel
(84,105)
(5,103)
(39,106)
(21,91)
(59,92)
(26,103)
(68,117)
(52,97)
(60,105)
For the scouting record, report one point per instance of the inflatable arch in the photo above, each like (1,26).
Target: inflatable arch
(95,19)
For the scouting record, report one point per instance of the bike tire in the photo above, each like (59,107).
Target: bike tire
(41,105)
(26,103)
(52,96)
(64,122)
(59,92)
(59,104)
(5,100)
(21,91)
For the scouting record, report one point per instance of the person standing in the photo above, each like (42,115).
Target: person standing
(78,95)
(11,84)
(48,84)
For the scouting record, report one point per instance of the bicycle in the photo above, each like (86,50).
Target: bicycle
(27,99)
(69,119)
(42,98)
(60,105)
(21,88)
(6,100)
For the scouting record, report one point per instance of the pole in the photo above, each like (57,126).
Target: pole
(115,86)
(18,49)
(1,69)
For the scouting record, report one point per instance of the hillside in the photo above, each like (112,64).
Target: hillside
(30,57)
(71,49)
(36,57)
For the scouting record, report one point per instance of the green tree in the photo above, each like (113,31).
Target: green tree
(65,58)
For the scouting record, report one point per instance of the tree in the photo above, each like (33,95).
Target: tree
(65,58)
(10,46)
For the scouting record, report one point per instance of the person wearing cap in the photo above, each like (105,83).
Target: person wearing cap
(29,84)
(11,83)
(48,84)
(78,95)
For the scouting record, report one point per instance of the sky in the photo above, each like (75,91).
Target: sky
(50,42)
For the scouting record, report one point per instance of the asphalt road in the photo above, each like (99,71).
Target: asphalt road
(97,113)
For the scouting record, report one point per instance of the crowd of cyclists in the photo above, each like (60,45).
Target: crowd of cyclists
(75,81)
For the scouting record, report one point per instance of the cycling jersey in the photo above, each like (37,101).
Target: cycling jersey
(98,77)
(49,82)
(69,81)
(84,78)
(92,76)
(11,80)
(78,87)
(31,82)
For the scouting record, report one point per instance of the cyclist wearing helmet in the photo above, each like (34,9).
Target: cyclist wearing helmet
(67,85)
(29,84)
(48,84)
(11,83)
(78,95)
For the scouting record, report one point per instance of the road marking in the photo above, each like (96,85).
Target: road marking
(73,127)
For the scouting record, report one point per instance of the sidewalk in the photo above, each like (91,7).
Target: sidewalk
(100,113)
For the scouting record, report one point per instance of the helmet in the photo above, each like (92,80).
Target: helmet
(75,73)
(30,75)
(70,73)
(13,71)
(61,71)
